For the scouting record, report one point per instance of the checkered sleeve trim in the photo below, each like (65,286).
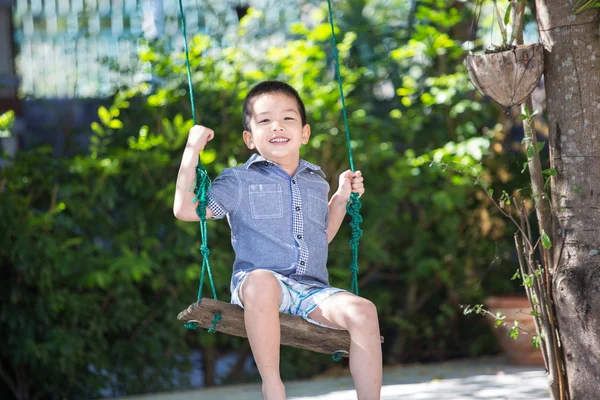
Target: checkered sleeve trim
(218,211)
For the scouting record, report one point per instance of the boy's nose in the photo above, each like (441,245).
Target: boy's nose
(276,126)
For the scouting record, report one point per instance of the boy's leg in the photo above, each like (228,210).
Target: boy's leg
(359,317)
(260,294)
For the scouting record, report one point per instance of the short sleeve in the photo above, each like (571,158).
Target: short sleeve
(223,195)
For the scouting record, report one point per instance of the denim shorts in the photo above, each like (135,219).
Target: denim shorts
(297,298)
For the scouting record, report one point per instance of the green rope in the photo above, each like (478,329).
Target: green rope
(354,204)
(338,355)
(213,328)
(187,61)
(353,208)
(201,192)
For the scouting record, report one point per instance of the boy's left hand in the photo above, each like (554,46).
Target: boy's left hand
(350,182)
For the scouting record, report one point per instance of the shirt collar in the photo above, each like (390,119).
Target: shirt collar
(260,160)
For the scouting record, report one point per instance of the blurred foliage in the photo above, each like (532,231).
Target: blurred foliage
(95,267)
(7,120)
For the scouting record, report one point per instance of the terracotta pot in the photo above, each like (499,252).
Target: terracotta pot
(515,307)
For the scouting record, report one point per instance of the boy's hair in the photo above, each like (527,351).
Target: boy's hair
(268,87)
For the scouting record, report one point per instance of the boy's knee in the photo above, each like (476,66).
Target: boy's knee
(367,309)
(361,312)
(260,287)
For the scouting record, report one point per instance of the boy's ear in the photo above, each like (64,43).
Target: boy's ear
(247,135)
(305,133)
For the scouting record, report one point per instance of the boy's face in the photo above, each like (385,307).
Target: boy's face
(276,128)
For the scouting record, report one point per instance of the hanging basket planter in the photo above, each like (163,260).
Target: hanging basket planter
(508,77)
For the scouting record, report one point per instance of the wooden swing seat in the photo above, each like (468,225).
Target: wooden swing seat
(295,331)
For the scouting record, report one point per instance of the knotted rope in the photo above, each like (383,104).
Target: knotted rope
(354,204)
(201,192)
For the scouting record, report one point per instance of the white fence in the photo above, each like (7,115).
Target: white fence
(63,45)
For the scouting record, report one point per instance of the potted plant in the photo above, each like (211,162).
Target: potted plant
(515,327)
(508,73)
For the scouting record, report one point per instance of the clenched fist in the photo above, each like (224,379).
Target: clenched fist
(198,137)
(350,182)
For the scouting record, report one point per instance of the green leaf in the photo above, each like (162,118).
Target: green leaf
(535,341)
(104,115)
(499,319)
(539,146)
(507,14)
(96,127)
(115,124)
(523,117)
(514,330)
(549,171)
(71,242)
(321,32)
(517,275)
(546,242)
(528,281)
(535,313)
(491,191)
(538,272)
(7,120)
(530,152)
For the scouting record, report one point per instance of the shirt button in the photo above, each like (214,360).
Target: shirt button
(302,263)
(294,181)
(271,164)
(299,236)
(297,208)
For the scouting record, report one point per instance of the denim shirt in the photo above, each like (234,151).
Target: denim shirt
(278,222)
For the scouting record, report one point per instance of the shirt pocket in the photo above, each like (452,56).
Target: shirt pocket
(265,201)
(318,208)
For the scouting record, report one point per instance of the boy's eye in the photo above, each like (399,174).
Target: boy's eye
(264,120)
(290,118)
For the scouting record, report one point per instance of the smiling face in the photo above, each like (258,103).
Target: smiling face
(276,129)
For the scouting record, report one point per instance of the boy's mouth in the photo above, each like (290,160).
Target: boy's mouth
(279,140)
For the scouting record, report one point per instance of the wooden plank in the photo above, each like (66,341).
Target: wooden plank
(295,331)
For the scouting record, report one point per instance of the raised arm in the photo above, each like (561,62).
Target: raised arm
(183,208)
(349,182)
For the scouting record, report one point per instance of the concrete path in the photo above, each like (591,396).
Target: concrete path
(489,379)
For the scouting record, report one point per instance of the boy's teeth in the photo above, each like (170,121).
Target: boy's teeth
(279,140)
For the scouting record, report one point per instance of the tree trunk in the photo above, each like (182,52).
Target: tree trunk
(572,78)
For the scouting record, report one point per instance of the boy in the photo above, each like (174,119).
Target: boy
(281,223)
